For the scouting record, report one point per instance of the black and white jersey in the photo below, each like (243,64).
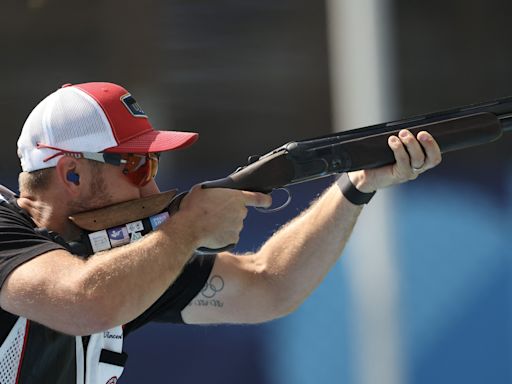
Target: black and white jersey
(32,353)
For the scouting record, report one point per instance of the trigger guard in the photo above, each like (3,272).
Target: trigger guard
(282,206)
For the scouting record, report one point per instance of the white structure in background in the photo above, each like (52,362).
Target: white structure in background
(363,94)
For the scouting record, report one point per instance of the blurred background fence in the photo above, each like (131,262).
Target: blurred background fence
(251,75)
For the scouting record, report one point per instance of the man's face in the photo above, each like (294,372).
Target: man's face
(106,184)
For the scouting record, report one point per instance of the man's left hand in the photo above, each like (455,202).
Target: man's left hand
(413,155)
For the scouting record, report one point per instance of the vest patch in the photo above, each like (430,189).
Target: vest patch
(118,236)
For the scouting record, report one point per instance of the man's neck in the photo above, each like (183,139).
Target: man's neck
(53,217)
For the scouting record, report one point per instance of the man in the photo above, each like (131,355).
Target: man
(64,315)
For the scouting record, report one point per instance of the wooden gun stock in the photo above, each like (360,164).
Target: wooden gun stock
(122,213)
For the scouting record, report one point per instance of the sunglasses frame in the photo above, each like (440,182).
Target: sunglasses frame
(117,159)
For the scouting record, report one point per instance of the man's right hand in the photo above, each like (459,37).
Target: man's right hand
(218,213)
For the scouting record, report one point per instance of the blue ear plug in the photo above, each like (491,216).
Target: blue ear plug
(73,177)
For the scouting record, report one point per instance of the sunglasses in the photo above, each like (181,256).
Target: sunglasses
(140,169)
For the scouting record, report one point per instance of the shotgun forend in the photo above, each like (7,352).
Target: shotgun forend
(300,161)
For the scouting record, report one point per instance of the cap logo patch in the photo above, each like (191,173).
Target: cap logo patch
(132,105)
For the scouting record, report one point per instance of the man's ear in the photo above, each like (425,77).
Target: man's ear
(68,173)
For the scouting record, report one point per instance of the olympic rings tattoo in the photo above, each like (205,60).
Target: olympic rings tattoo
(214,285)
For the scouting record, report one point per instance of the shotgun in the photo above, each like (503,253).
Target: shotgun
(305,160)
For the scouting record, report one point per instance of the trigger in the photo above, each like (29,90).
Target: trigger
(283,205)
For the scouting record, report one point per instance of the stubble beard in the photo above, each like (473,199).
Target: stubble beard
(96,197)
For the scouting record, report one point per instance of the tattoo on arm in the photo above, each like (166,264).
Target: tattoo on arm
(207,297)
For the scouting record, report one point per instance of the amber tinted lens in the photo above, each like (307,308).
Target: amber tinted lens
(154,159)
(151,168)
(140,169)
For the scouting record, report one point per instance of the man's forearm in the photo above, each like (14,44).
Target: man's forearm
(300,254)
(111,288)
(132,278)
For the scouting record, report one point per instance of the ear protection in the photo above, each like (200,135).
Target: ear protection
(73,177)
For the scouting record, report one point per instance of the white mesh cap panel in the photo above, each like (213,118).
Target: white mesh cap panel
(68,119)
(10,352)
(77,122)
(31,134)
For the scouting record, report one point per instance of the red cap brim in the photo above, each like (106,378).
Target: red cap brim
(155,141)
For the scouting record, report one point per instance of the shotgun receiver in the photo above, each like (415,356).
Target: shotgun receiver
(300,161)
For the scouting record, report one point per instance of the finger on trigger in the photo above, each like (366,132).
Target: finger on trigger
(257,199)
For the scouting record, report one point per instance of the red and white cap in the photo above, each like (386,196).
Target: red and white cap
(91,117)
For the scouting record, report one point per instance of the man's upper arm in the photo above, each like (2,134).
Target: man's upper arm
(236,292)
(32,267)
(19,243)
(37,288)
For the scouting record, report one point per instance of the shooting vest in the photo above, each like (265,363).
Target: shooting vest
(98,361)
